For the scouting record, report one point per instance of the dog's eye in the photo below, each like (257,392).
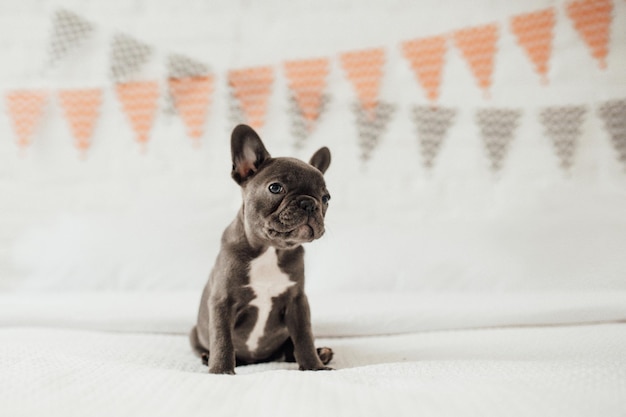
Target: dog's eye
(275,188)
(325,199)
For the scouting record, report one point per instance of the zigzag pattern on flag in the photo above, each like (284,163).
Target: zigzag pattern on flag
(26,109)
(81,108)
(364,70)
(307,83)
(563,126)
(250,89)
(426,57)
(592,19)
(139,101)
(534,33)
(497,128)
(478,47)
(69,31)
(190,89)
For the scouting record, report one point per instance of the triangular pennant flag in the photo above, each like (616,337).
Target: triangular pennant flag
(307,81)
(371,124)
(426,57)
(250,90)
(128,56)
(26,109)
(68,31)
(192,98)
(592,20)
(364,69)
(432,125)
(181,66)
(81,108)
(562,126)
(478,47)
(301,127)
(613,113)
(497,127)
(139,102)
(534,34)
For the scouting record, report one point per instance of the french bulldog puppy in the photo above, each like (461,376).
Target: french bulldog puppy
(253,307)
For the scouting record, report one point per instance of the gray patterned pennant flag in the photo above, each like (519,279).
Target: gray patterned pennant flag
(181,66)
(371,125)
(128,55)
(68,32)
(613,113)
(301,127)
(497,127)
(432,125)
(562,126)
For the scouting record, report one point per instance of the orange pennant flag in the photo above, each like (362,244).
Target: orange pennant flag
(534,34)
(426,57)
(252,88)
(365,70)
(81,108)
(592,19)
(139,102)
(478,46)
(192,98)
(26,108)
(307,81)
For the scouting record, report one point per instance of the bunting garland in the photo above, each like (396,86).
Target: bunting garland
(592,20)
(426,57)
(190,85)
(307,83)
(562,126)
(69,31)
(478,47)
(497,128)
(613,114)
(534,33)
(250,90)
(81,108)
(26,109)
(432,125)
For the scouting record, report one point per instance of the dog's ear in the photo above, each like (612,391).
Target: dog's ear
(247,151)
(321,159)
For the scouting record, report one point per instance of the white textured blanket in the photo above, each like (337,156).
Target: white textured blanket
(543,371)
(334,314)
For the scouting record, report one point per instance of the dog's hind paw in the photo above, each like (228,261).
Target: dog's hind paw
(325,354)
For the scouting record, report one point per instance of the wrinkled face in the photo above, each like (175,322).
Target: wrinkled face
(285,203)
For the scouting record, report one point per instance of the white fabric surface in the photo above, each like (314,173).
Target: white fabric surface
(333,314)
(550,371)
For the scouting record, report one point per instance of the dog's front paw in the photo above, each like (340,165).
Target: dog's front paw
(316,368)
(221,370)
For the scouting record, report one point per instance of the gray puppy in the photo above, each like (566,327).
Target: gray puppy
(253,307)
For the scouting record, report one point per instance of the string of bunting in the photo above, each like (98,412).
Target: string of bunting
(190,86)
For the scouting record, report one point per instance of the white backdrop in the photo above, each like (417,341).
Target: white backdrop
(120,219)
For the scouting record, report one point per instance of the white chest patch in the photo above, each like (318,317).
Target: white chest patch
(267,281)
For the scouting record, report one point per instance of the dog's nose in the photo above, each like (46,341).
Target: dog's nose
(307,205)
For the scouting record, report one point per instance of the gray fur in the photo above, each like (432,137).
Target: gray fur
(266,221)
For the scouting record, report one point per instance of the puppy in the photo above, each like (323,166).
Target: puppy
(253,307)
